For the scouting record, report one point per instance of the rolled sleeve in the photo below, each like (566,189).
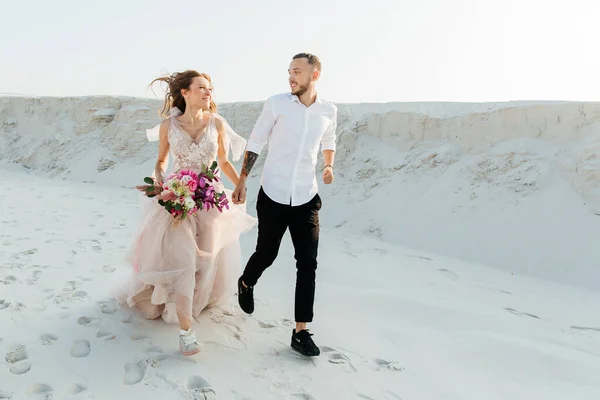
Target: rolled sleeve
(328,142)
(262,128)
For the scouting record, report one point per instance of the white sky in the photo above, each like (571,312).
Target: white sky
(372,51)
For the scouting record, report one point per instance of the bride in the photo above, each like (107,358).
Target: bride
(178,272)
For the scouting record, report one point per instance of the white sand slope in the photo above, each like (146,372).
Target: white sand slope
(393,322)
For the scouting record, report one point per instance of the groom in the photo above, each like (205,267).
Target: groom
(295,125)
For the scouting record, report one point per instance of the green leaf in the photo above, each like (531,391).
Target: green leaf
(210,175)
(214,165)
(162,203)
(178,207)
(149,180)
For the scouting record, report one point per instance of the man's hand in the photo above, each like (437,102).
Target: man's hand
(328,175)
(239,194)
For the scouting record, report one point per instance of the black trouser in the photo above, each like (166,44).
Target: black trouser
(303,221)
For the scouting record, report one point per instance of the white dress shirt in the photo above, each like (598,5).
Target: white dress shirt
(294,133)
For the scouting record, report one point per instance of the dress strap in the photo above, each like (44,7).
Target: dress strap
(234,143)
(153,134)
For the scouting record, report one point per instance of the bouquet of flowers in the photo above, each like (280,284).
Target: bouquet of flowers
(185,192)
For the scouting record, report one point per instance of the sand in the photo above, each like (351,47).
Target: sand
(458,260)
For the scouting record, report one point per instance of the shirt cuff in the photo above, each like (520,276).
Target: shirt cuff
(254,147)
(327,146)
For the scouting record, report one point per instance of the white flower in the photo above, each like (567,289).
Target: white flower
(189,203)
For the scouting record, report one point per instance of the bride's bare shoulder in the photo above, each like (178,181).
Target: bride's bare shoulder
(164,128)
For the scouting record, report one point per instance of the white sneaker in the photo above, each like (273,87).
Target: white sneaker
(188,345)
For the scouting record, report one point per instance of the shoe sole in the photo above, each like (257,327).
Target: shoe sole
(304,354)
(189,353)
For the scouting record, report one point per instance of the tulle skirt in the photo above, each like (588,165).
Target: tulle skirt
(187,268)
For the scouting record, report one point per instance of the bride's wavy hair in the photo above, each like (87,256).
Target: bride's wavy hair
(177,82)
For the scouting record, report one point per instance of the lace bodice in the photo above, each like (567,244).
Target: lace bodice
(193,154)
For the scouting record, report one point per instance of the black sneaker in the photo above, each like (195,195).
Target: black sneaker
(246,297)
(303,343)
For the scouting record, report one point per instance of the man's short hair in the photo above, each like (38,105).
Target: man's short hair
(311,58)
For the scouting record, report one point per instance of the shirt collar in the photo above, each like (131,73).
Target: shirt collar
(297,100)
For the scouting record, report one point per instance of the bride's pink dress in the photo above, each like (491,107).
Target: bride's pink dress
(196,265)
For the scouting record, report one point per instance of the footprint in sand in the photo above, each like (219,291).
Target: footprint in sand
(162,382)
(20,367)
(9,279)
(216,347)
(296,391)
(108,269)
(5,395)
(266,325)
(389,365)
(80,348)
(449,274)
(108,307)
(288,323)
(364,396)
(386,396)
(18,353)
(48,339)
(586,328)
(76,388)
(4,304)
(421,257)
(35,276)
(69,286)
(47,294)
(134,373)
(496,290)
(18,360)
(42,388)
(336,357)
(198,388)
(79,294)
(303,396)
(521,313)
(105,335)
(86,321)
(127,319)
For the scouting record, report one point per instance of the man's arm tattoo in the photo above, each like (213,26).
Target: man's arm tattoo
(249,160)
